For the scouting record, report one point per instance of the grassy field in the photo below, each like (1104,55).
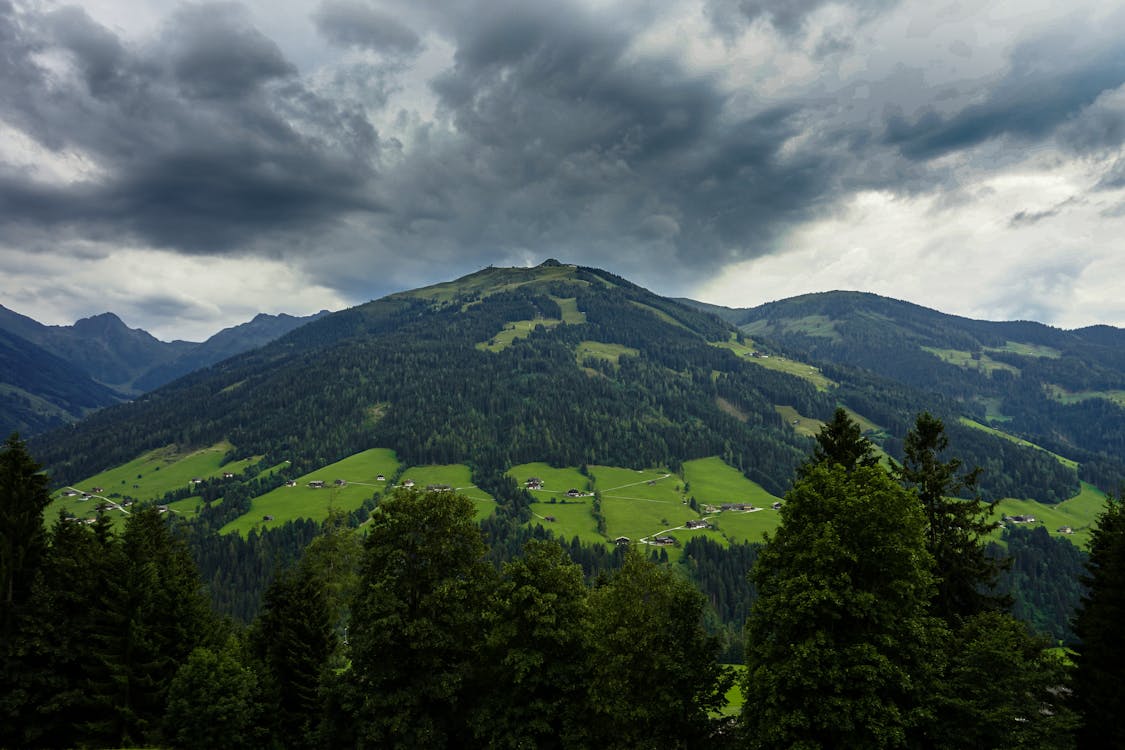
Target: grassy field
(148,478)
(291,503)
(802,425)
(1026,350)
(802,370)
(574,517)
(1019,441)
(609,352)
(712,481)
(658,313)
(734,695)
(519,329)
(1062,395)
(810,325)
(1079,512)
(568,306)
(495,280)
(966,361)
(456,476)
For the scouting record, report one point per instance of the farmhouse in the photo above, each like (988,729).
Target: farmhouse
(549,518)
(196,480)
(380,478)
(776,506)
(341,483)
(622,541)
(664,541)
(267,518)
(738,506)
(696,524)
(291,483)
(316,484)
(573,493)
(408,483)
(438,488)
(534,483)
(228,475)
(1066,530)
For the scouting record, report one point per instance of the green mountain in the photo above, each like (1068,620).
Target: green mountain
(1061,390)
(557,363)
(574,366)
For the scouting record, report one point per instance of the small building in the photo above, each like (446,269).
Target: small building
(664,541)
(267,518)
(573,493)
(196,480)
(291,483)
(161,508)
(70,493)
(380,478)
(1066,530)
(776,506)
(550,519)
(438,488)
(696,524)
(228,475)
(408,483)
(316,484)
(622,541)
(534,483)
(341,483)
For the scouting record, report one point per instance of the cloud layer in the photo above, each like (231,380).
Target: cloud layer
(356,147)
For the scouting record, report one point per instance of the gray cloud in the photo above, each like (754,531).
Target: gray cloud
(787,16)
(205,143)
(548,130)
(357,24)
(1051,80)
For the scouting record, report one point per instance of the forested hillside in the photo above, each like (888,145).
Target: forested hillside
(1061,390)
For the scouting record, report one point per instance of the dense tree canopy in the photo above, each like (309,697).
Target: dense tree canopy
(840,642)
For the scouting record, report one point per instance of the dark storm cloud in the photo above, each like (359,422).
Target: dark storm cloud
(555,134)
(356,24)
(568,142)
(204,143)
(787,16)
(1050,82)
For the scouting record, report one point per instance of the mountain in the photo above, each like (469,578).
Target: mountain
(1062,390)
(576,366)
(39,391)
(226,343)
(99,361)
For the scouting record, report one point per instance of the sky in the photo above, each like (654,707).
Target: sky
(188,165)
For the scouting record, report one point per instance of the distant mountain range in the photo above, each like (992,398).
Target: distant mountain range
(54,375)
(573,365)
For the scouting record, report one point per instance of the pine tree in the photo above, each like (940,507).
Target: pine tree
(23,546)
(1099,676)
(956,528)
(841,441)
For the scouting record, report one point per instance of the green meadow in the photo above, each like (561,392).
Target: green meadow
(967,361)
(609,352)
(459,477)
(803,370)
(518,329)
(301,501)
(1064,396)
(802,425)
(1079,512)
(1012,438)
(148,477)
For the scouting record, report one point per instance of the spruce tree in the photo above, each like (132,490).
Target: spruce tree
(1099,677)
(956,528)
(841,441)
